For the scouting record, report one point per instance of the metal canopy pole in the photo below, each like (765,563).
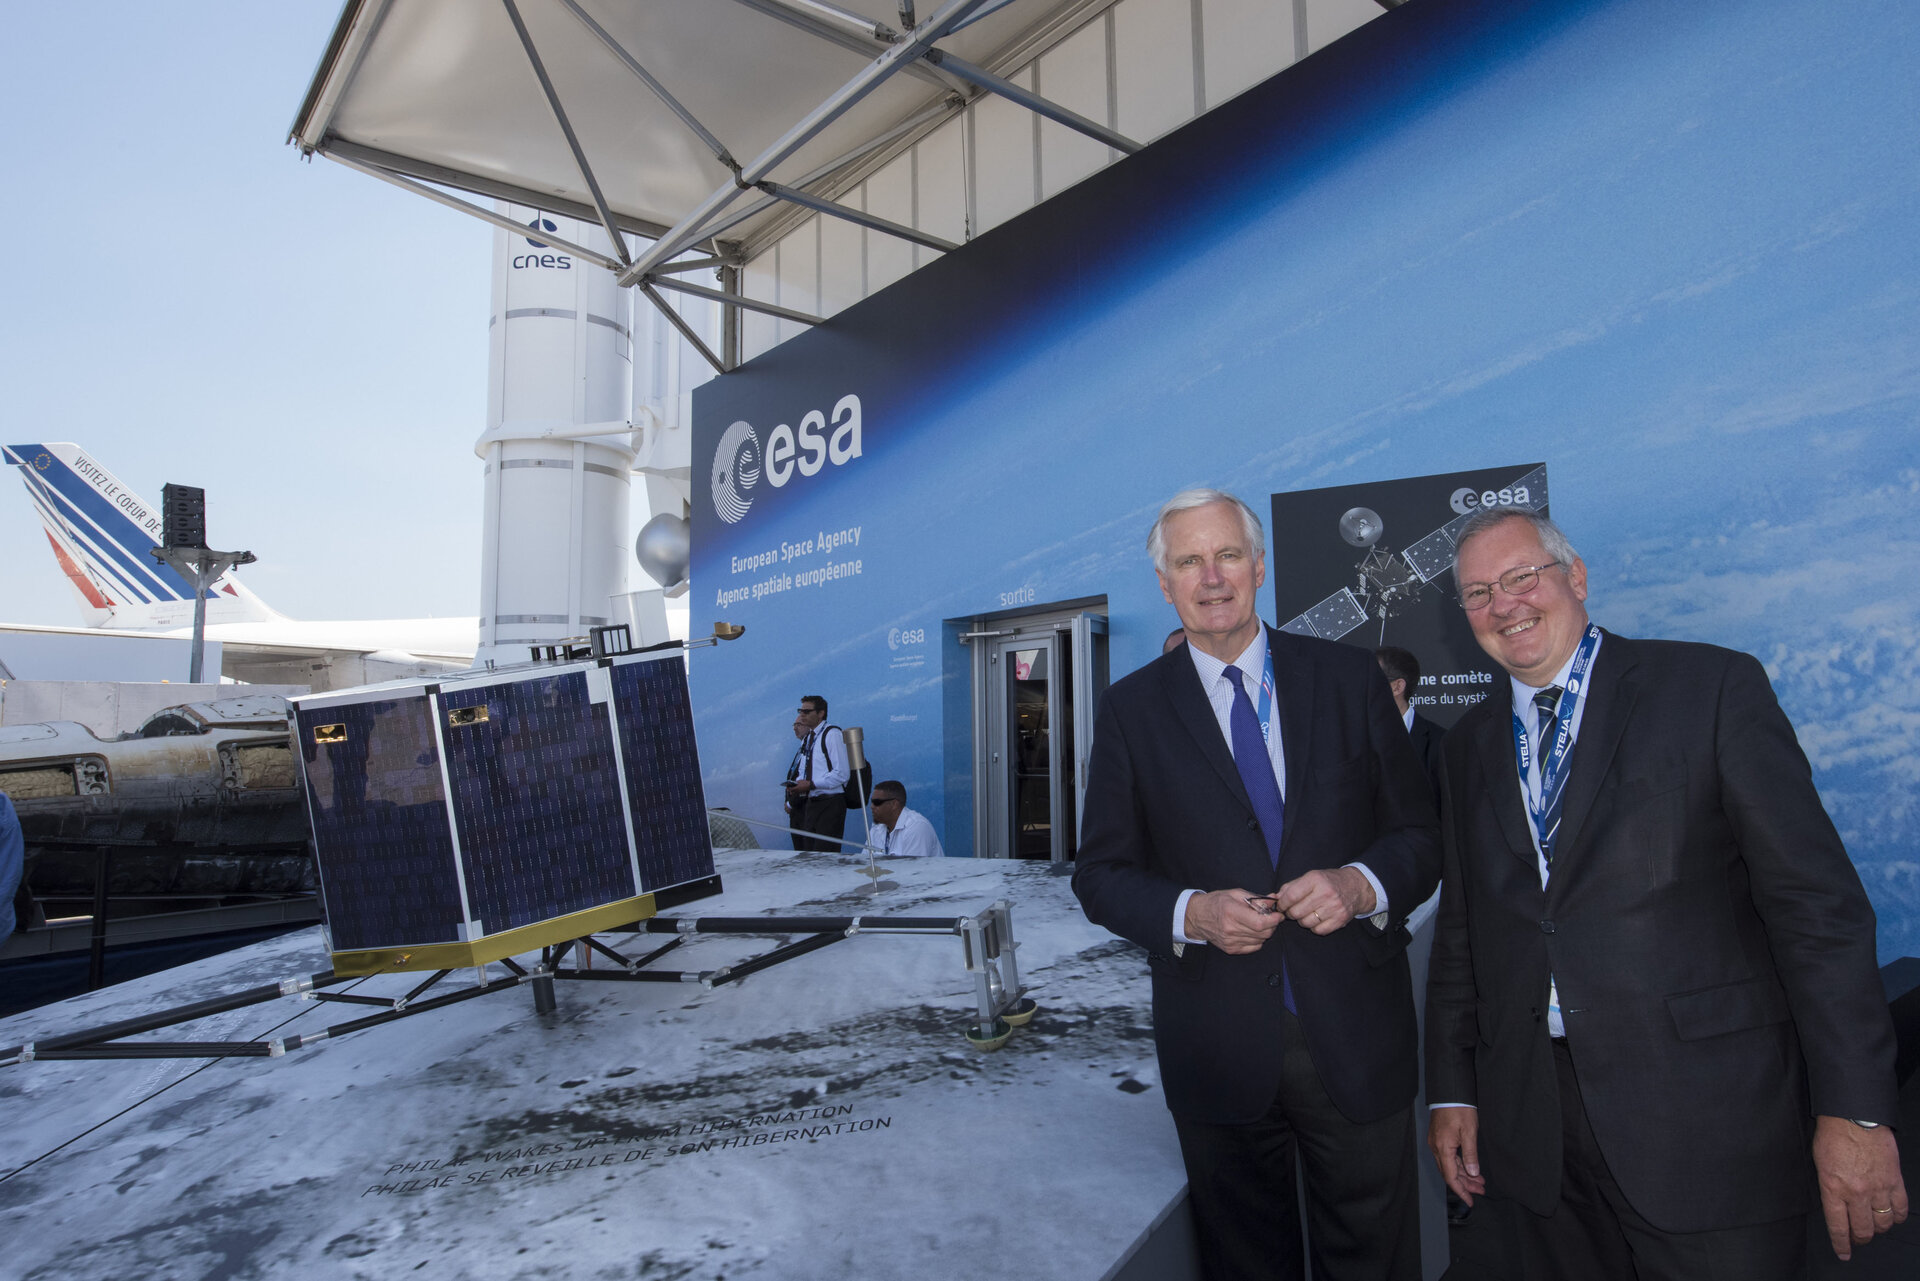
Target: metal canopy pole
(671,103)
(877,223)
(1031,101)
(566,127)
(940,110)
(850,31)
(349,44)
(485,215)
(690,264)
(871,77)
(426,171)
(734,300)
(678,321)
(730,317)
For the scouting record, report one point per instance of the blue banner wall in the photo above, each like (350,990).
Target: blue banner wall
(1668,249)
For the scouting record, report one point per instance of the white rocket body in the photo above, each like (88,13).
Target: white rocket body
(559,447)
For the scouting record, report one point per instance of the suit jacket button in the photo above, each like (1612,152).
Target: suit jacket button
(1546,927)
(1273,980)
(1253,824)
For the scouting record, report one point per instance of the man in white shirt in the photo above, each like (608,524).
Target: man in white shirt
(816,794)
(899,832)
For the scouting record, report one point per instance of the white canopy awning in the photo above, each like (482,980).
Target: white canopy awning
(704,127)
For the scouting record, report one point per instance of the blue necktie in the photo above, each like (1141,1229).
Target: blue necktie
(1250,757)
(1548,701)
(1256,766)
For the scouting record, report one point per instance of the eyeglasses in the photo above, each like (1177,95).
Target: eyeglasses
(1517,581)
(878,801)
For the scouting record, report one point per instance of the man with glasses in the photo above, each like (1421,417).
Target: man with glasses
(1653,991)
(816,784)
(899,832)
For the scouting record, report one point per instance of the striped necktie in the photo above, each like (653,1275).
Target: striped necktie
(1548,703)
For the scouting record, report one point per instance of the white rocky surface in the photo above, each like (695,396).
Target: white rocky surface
(825,1118)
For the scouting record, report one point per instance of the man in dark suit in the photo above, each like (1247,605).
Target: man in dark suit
(1256,820)
(1402,671)
(1654,986)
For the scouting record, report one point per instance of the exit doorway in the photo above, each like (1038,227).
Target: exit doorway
(1037,680)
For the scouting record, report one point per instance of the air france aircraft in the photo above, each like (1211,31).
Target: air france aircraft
(102,534)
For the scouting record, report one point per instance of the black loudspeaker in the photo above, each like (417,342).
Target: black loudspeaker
(183,516)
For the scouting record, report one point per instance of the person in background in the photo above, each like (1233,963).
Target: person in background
(13,855)
(1655,1022)
(1402,671)
(1175,639)
(899,832)
(816,791)
(796,802)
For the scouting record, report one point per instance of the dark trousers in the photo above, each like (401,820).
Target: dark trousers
(1360,1189)
(825,816)
(1595,1235)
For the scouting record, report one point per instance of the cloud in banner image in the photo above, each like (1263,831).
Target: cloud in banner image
(1624,243)
(1824,597)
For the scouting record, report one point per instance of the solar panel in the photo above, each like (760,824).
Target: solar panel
(490,814)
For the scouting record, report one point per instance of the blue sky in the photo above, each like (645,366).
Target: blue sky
(191,302)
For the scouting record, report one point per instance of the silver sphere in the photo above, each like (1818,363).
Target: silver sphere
(1362,526)
(663,549)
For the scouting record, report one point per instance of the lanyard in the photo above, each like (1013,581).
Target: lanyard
(1554,763)
(1265,706)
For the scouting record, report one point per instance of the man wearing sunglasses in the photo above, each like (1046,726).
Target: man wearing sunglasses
(1653,994)
(816,783)
(899,832)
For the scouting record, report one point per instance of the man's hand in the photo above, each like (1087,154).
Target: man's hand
(1325,900)
(1230,921)
(1861,1191)
(1453,1136)
(800,786)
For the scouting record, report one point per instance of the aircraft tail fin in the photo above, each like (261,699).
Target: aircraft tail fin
(102,534)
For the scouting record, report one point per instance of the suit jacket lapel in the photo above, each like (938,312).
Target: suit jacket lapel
(1493,738)
(1610,700)
(1190,704)
(1293,688)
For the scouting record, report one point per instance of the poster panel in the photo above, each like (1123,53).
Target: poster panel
(1372,565)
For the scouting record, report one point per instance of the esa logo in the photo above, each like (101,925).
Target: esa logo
(896,637)
(739,463)
(561,261)
(1466,500)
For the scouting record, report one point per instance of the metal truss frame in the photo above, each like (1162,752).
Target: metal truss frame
(910,50)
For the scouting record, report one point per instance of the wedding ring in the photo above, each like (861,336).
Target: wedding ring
(1888,1210)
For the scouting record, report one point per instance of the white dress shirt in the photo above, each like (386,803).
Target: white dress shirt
(1419,916)
(1529,714)
(825,744)
(1213,679)
(911,837)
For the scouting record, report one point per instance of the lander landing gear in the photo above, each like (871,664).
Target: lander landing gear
(987,939)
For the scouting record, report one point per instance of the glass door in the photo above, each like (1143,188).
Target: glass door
(1035,683)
